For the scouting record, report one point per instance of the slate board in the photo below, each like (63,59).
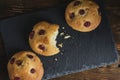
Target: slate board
(82,51)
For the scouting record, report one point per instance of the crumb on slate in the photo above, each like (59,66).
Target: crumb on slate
(61,53)
(63,27)
(66,37)
(60,45)
(56,59)
(61,34)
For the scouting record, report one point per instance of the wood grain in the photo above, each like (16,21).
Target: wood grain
(110,72)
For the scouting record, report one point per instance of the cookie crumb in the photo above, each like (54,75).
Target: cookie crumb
(66,37)
(61,53)
(56,59)
(60,45)
(63,27)
(63,50)
(61,34)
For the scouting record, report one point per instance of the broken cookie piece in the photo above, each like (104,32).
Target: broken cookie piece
(44,39)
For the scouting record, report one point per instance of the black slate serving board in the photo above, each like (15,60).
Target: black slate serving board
(80,52)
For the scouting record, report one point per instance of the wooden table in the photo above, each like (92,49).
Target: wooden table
(111,72)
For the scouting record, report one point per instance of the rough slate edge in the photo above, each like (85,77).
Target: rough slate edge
(92,66)
(101,3)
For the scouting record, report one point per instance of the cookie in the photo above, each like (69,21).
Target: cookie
(25,65)
(42,38)
(83,15)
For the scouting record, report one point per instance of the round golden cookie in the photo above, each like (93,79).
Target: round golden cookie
(25,65)
(42,38)
(83,15)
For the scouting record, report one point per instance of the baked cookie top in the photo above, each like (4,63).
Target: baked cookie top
(25,65)
(83,15)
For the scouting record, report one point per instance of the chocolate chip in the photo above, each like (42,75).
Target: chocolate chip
(16,78)
(31,35)
(12,60)
(32,70)
(76,3)
(82,11)
(99,12)
(41,32)
(29,56)
(87,24)
(72,15)
(42,47)
(18,62)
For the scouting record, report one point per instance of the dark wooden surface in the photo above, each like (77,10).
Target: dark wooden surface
(110,72)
